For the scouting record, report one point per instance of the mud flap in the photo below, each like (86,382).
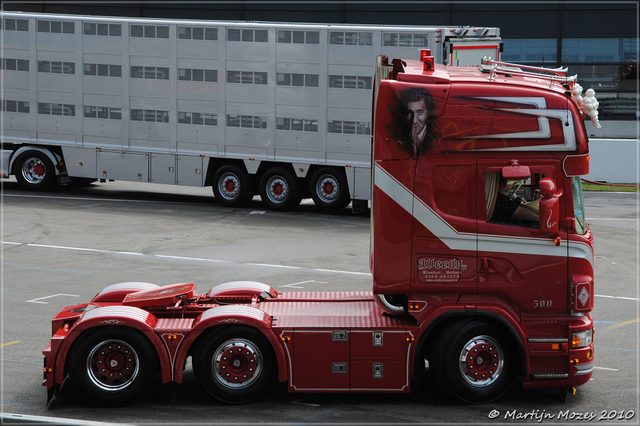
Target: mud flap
(52,395)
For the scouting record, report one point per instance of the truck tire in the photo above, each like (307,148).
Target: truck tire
(113,365)
(476,362)
(235,365)
(34,171)
(329,190)
(279,189)
(232,186)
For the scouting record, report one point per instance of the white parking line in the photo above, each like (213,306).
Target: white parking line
(297,285)
(94,199)
(616,297)
(604,368)
(38,300)
(191,258)
(84,249)
(608,218)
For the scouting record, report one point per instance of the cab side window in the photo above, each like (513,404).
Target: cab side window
(512,202)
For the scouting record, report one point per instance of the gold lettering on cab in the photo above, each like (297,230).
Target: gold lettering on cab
(440,269)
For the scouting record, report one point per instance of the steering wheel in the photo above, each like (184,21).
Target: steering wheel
(512,192)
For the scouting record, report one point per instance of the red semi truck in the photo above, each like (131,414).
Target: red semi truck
(482,265)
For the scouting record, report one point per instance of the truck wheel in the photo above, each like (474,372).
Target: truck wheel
(329,190)
(34,171)
(235,365)
(232,186)
(476,362)
(279,189)
(113,365)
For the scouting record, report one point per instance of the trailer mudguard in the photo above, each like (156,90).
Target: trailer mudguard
(123,316)
(232,314)
(116,292)
(241,289)
(54,158)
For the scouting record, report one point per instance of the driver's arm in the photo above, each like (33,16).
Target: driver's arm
(524,213)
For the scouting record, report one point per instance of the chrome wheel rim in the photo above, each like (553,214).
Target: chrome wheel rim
(237,363)
(34,170)
(277,189)
(327,188)
(481,361)
(112,365)
(229,186)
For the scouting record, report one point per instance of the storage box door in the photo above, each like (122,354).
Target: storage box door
(321,360)
(379,360)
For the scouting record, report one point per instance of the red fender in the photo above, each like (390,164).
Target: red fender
(503,314)
(232,314)
(124,316)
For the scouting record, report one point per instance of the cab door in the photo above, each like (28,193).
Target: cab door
(444,255)
(515,259)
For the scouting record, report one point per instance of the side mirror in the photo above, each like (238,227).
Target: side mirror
(549,207)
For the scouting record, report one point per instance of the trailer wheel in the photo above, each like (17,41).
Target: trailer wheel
(329,190)
(235,365)
(279,189)
(476,362)
(232,186)
(113,365)
(34,171)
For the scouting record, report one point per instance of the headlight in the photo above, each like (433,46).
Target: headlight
(582,339)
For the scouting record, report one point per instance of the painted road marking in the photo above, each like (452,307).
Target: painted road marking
(604,368)
(46,269)
(10,343)
(21,361)
(84,249)
(38,300)
(190,258)
(100,199)
(616,297)
(624,323)
(343,272)
(198,259)
(616,349)
(273,266)
(297,285)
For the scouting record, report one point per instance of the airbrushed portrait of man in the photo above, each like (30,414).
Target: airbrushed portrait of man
(418,113)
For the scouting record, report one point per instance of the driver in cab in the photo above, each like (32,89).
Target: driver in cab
(506,209)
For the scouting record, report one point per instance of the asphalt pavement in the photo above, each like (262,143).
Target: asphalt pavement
(63,247)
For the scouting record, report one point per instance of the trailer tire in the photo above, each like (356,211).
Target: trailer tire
(232,186)
(279,189)
(476,361)
(230,375)
(35,171)
(113,365)
(329,190)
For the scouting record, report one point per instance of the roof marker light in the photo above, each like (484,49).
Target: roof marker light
(428,63)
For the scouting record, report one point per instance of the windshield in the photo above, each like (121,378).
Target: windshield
(578,209)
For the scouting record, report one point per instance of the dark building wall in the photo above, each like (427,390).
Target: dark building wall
(516,19)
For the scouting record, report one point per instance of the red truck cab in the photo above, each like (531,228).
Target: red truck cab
(478,224)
